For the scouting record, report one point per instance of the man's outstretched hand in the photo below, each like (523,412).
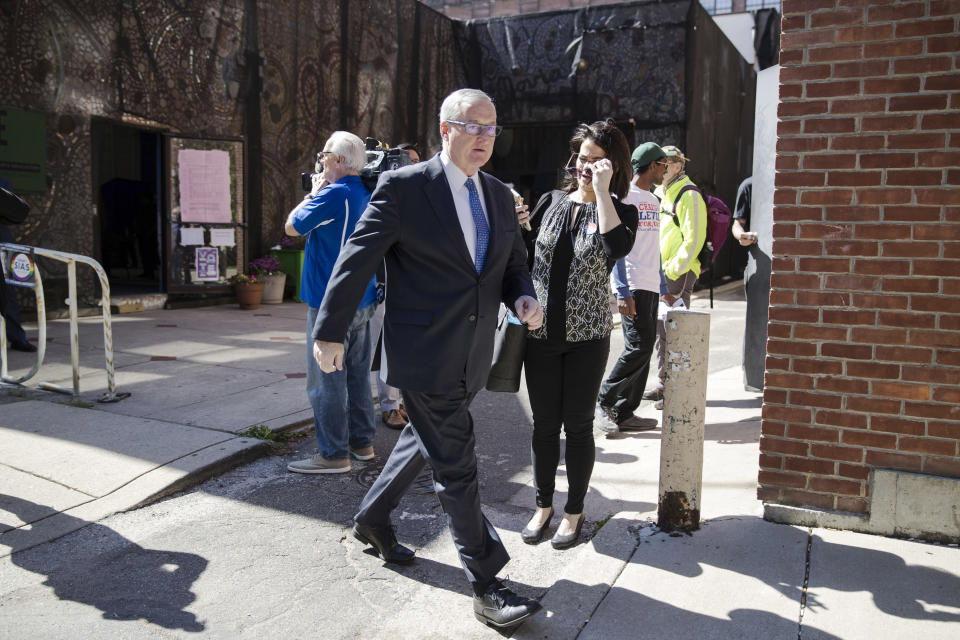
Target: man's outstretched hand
(329,355)
(529,312)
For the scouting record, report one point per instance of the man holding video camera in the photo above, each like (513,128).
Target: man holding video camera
(342,402)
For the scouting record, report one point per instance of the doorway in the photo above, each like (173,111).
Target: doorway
(127,190)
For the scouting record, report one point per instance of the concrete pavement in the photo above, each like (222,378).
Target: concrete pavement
(217,371)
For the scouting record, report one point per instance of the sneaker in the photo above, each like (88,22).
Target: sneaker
(394,419)
(318,464)
(606,419)
(655,393)
(635,423)
(659,405)
(366,453)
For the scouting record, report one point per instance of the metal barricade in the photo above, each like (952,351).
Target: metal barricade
(19,269)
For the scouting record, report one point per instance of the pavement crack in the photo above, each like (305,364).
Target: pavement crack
(806,582)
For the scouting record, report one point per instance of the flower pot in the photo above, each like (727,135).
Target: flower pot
(273,288)
(249,295)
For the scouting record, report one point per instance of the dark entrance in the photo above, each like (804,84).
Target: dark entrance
(126,181)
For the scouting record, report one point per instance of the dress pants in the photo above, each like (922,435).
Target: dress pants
(623,388)
(440,432)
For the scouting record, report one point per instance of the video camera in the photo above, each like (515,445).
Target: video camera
(380,158)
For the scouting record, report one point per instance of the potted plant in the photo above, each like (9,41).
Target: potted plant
(290,254)
(249,290)
(269,271)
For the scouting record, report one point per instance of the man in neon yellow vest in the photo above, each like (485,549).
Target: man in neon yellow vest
(683,230)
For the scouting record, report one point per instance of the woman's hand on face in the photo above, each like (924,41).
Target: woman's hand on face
(602,173)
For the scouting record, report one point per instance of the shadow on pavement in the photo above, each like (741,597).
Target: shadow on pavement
(125,582)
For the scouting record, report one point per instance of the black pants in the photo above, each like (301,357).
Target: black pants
(563,380)
(440,432)
(623,388)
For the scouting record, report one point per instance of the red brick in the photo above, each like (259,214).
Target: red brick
(790,348)
(908,320)
(763,493)
(866,404)
(861,69)
(825,265)
(801,39)
(855,179)
(928,445)
(943,44)
(787,163)
(884,196)
(910,249)
(809,465)
(786,213)
(796,281)
(878,301)
(941,339)
(941,375)
(938,196)
(944,430)
(912,214)
(935,411)
(840,88)
(857,106)
(896,425)
(939,159)
(855,213)
(852,505)
(894,49)
(841,419)
(850,282)
(888,123)
(896,13)
(788,380)
(850,248)
(873,370)
(830,125)
(775,330)
(788,414)
(805,108)
(792,480)
(878,336)
(935,304)
(788,128)
(799,498)
(791,58)
(927,102)
(832,54)
(805,72)
(942,120)
(947,394)
(950,323)
(911,285)
(913,177)
(829,161)
(797,247)
(883,232)
(889,460)
(938,232)
(823,19)
(801,144)
(944,7)
(823,231)
(905,354)
(827,197)
(848,317)
(820,400)
(923,65)
(949,82)
(801,365)
(822,298)
(842,385)
(782,297)
(820,434)
(949,358)
(900,390)
(873,266)
(869,439)
(916,141)
(870,33)
(855,471)
(948,467)
(857,143)
(888,160)
(769,428)
(801,179)
(891,85)
(835,452)
(835,485)
(789,447)
(920,28)
(784,196)
(818,332)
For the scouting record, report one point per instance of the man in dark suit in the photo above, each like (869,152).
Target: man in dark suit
(449,236)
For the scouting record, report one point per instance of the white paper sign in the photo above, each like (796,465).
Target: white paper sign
(204,185)
(223,237)
(191,235)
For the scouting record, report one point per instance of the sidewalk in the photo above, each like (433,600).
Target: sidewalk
(198,377)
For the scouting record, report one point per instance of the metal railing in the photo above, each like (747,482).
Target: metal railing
(19,269)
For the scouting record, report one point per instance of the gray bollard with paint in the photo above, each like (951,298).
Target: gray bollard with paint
(684,406)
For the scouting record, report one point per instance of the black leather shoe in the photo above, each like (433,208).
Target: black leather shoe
(533,536)
(501,608)
(18,345)
(384,541)
(564,541)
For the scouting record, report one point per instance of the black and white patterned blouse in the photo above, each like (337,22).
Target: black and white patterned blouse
(571,267)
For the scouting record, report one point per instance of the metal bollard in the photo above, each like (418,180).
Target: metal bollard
(684,406)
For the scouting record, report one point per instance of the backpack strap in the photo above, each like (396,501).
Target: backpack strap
(676,200)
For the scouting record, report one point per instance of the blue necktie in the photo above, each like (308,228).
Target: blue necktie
(483,229)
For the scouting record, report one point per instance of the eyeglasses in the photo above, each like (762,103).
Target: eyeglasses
(475,129)
(662,163)
(322,154)
(571,166)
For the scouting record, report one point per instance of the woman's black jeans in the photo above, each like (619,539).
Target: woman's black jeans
(563,380)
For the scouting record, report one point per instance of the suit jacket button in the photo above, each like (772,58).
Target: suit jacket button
(472,318)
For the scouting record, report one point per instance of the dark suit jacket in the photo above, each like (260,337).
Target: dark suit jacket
(440,315)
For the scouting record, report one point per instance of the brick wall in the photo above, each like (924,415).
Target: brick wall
(863,366)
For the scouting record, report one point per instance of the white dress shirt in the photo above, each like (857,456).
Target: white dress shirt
(457,180)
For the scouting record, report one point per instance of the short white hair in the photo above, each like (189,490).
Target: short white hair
(459,101)
(351,147)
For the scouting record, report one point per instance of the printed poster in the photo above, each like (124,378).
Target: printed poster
(208,264)
(204,186)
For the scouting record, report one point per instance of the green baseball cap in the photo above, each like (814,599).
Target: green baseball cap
(645,154)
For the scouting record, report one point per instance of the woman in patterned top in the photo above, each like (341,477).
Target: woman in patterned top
(576,236)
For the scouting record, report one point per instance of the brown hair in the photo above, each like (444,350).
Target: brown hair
(606,135)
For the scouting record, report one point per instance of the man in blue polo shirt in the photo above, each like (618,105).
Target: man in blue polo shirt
(342,401)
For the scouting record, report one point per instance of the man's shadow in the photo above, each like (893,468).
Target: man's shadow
(125,582)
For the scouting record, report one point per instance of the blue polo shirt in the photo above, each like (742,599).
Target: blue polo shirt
(327,220)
